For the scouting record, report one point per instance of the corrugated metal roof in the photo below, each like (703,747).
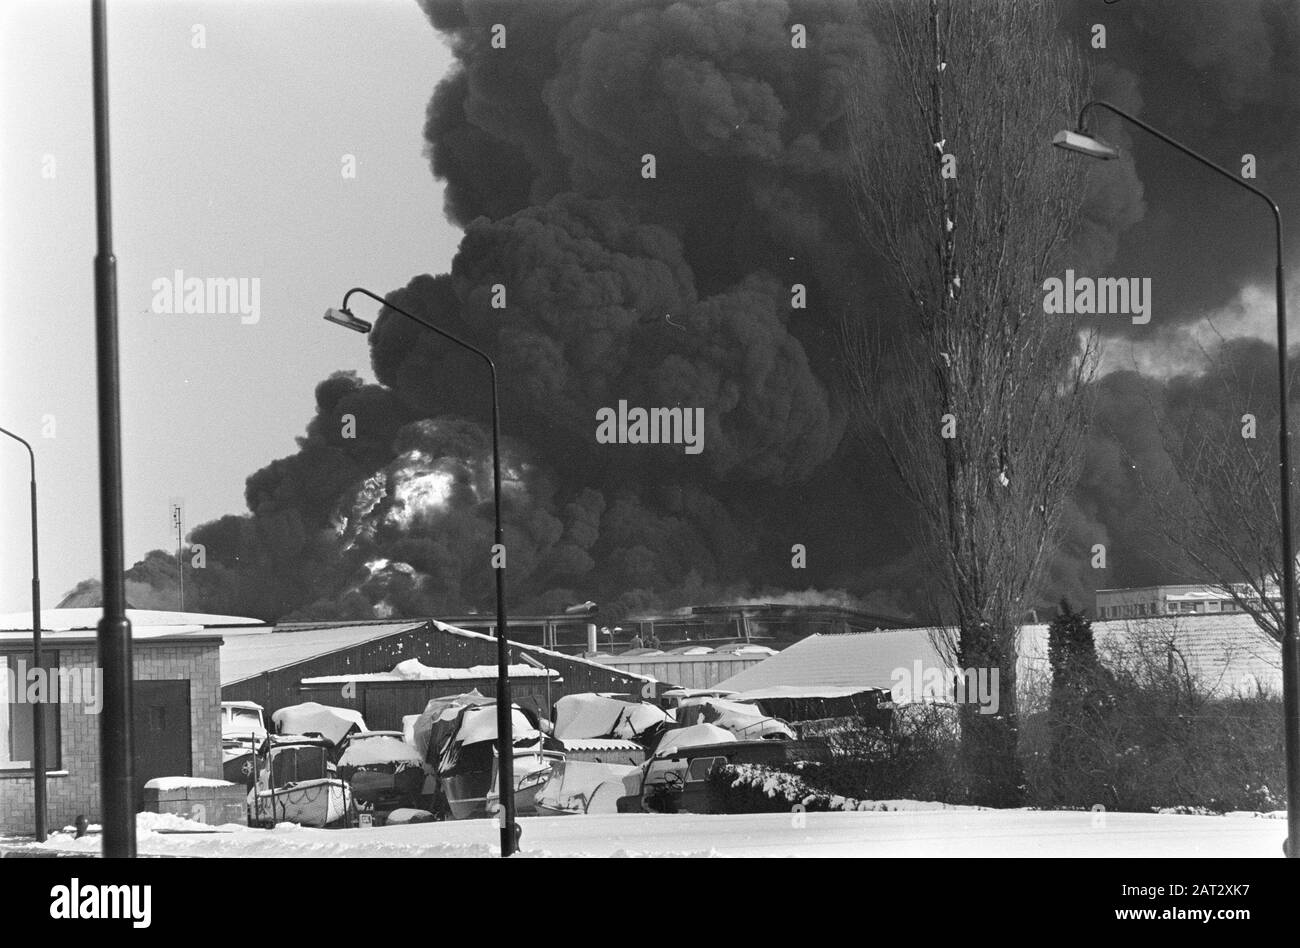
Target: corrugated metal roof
(1225,653)
(248,653)
(853,660)
(143,634)
(436,674)
(536,650)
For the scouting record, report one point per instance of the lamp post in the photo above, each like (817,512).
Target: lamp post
(114,632)
(505,739)
(1082,142)
(38,708)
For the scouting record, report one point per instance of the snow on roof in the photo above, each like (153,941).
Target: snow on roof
(535,649)
(1224,652)
(250,651)
(429,673)
(795,691)
(744,648)
(87,618)
(827,665)
(247,655)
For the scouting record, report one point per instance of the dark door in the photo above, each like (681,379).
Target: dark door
(161,722)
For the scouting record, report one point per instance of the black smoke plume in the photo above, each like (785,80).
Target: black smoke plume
(676,291)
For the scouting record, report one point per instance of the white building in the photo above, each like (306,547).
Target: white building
(1145,601)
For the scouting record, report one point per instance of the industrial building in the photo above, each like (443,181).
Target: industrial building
(773,624)
(176,707)
(352,665)
(1142,601)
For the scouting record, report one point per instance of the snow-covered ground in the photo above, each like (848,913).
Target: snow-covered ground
(918,830)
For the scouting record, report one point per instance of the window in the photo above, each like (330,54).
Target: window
(571,635)
(700,768)
(247,718)
(16,713)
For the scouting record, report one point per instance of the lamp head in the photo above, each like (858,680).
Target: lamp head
(1084,144)
(529,660)
(344,318)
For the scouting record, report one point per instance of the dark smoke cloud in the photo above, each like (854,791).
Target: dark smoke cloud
(676,291)
(602,309)
(1223,76)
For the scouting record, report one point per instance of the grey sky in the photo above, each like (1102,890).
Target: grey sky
(227,162)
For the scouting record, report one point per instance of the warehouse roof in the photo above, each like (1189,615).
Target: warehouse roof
(87,618)
(1224,653)
(78,626)
(249,653)
(473,672)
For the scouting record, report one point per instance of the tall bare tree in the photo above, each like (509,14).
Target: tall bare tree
(1219,500)
(980,400)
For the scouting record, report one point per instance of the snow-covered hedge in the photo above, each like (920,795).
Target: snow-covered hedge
(752,788)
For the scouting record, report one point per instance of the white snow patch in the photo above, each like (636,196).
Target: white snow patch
(184,783)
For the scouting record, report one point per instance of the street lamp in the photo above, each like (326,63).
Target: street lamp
(38,707)
(1081,142)
(116,762)
(505,739)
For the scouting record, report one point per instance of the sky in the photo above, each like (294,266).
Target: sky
(227,161)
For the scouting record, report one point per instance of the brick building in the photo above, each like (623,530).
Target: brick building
(177,709)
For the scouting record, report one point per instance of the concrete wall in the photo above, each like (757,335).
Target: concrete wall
(74,788)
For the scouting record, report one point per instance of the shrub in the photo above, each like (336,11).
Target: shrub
(753,788)
(915,759)
(1153,736)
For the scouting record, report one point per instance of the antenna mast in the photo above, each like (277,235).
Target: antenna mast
(178,520)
